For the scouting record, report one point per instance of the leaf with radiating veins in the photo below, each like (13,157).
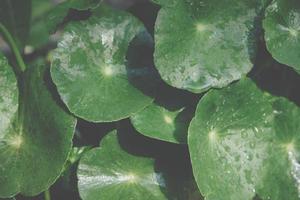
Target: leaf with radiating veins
(205,44)
(35,133)
(98,76)
(109,172)
(244,142)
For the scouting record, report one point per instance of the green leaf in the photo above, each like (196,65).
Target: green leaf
(35,133)
(109,172)
(57,15)
(39,34)
(91,71)
(282,31)
(15,15)
(167,118)
(205,44)
(245,142)
(157,122)
(84,4)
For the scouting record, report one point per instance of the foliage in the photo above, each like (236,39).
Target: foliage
(168,99)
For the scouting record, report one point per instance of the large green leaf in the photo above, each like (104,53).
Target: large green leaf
(91,72)
(204,44)
(282,31)
(35,133)
(245,142)
(15,15)
(109,172)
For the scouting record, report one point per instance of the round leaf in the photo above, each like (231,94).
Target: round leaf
(109,172)
(32,133)
(91,72)
(212,43)
(245,142)
(282,31)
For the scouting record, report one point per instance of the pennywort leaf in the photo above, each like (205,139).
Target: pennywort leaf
(91,70)
(249,140)
(109,172)
(282,31)
(57,15)
(33,131)
(168,117)
(205,44)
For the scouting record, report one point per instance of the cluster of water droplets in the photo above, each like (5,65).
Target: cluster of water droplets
(8,97)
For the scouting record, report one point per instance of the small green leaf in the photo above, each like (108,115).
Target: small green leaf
(91,71)
(33,131)
(245,142)
(205,44)
(282,31)
(159,123)
(15,15)
(57,15)
(109,172)
(167,118)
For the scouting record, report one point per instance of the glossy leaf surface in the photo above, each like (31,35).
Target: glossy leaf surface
(282,31)
(35,133)
(109,172)
(205,44)
(91,70)
(245,142)
(168,117)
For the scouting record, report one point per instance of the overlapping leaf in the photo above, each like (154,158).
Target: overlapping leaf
(57,15)
(245,142)
(91,72)
(204,44)
(35,133)
(168,117)
(282,31)
(109,172)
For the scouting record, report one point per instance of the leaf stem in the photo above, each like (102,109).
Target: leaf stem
(9,39)
(47,195)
